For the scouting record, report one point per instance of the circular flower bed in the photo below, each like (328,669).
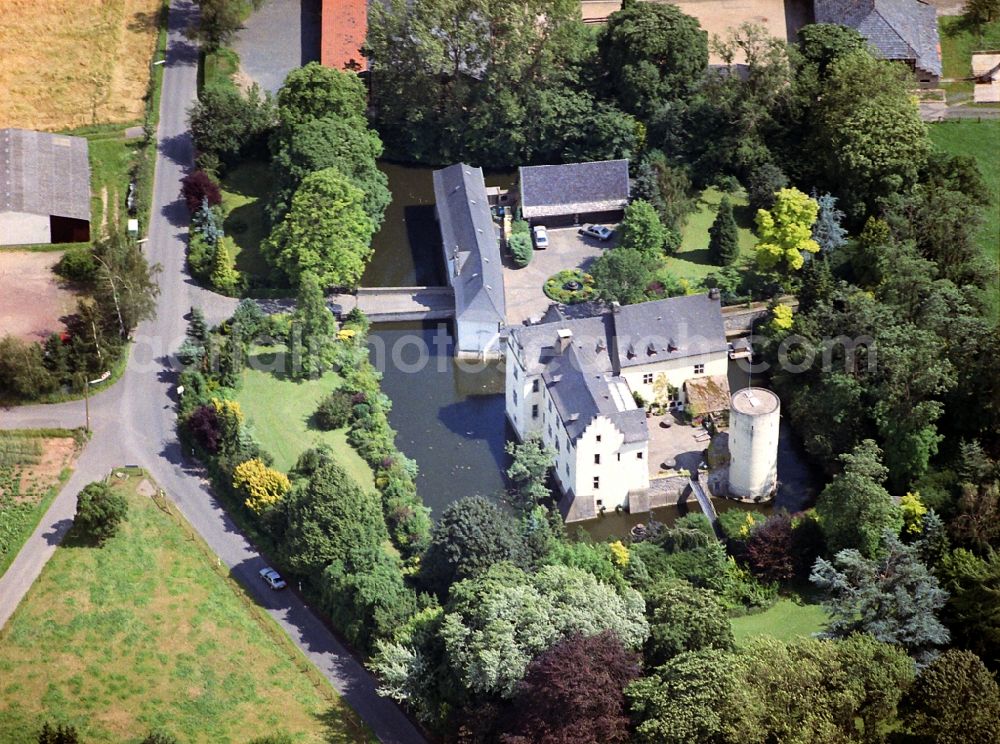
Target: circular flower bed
(569,286)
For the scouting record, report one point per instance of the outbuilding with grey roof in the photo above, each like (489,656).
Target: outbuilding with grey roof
(573,193)
(44,188)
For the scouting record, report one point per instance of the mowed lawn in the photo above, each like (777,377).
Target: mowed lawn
(980,140)
(691,262)
(785,620)
(244,193)
(146,632)
(281,411)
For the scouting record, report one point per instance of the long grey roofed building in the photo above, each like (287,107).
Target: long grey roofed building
(44,187)
(470,241)
(595,190)
(898,29)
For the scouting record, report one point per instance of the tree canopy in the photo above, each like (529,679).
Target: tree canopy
(327,232)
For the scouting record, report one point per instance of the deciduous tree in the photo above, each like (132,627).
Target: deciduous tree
(684,618)
(327,232)
(955,700)
(572,693)
(652,54)
(785,232)
(623,275)
(263,487)
(471,535)
(642,230)
(529,471)
(854,510)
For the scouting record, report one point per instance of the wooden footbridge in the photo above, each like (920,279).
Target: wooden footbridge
(388,304)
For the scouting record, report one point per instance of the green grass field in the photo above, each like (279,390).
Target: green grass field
(27,484)
(959,39)
(244,191)
(785,620)
(691,262)
(980,140)
(147,632)
(281,411)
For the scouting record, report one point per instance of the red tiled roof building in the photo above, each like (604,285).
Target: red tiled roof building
(344,26)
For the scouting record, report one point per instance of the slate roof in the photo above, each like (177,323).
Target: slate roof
(674,328)
(580,396)
(898,29)
(42,173)
(549,190)
(471,240)
(581,380)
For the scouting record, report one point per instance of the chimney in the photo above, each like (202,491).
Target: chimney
(713,293)
(616,306)
(564,336)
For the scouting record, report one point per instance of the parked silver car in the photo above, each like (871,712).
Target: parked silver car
(272,577)
(600,232)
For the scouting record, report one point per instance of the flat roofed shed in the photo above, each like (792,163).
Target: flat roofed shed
(573,188)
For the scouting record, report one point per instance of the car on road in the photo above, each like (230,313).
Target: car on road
(272,578)
(600,232)
(541,237)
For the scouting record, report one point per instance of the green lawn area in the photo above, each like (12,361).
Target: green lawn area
(691,262)
(785,620)
(980,140)
(281,411)
(959,39)
(148,632)
(244,192)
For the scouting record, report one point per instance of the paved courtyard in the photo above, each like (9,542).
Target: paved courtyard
(523,287)
(677,448)
(281,36)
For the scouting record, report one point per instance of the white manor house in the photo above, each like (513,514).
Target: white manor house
(573,381)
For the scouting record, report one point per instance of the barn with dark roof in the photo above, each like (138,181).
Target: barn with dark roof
(44,188)
(569,194)
(904,30)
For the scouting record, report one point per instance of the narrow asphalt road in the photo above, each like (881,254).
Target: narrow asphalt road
(133,421)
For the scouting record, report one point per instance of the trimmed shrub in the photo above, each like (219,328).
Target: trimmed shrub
(334,411)
(520,248)
(561,286)
(262,486)
(100,510)
(198,187)
(77,265)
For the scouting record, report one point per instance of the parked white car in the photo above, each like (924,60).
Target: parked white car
(272,578)
(541,237)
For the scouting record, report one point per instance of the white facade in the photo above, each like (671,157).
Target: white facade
(677,371)
(22,228)
(754,419)
(599,465)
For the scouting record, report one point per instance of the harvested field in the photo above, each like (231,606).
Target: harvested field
(32,298)
(69,63)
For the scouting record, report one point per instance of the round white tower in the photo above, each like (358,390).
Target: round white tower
(754,414)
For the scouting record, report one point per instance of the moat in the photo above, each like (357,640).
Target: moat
(450,415)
